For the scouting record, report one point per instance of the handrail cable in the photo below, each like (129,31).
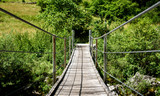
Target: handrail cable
(119,80)
(148,51)
(11,51)
(3,10)
(143,12)
(104,52)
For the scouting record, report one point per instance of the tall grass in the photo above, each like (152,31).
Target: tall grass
(32,70)
(26,11)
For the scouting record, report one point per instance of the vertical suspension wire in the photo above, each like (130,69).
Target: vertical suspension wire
(69,46)
(90,40)
(92,47)
(73,34)
(54,59)
(105,59)
(96,53)
(64,53)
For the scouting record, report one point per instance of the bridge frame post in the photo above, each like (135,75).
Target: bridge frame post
(91,44)
(73,33)
(96,53)
(54,59)
(92,47)
(90,33)
(69,46)
(64,53)
(105,59)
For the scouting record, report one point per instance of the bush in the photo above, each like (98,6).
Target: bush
(16,67)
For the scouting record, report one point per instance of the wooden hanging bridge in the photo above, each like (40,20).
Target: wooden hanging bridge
(80,76)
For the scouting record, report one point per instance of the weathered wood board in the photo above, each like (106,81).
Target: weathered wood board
(82,78)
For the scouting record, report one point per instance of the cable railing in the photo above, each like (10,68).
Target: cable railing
(65,50)
(94,50)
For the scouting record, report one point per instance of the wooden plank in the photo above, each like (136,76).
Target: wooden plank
(82,77)
(53,89)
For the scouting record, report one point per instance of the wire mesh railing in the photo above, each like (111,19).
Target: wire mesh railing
(27,65)
(95,51)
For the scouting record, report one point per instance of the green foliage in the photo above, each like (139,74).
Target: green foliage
(60,17)
(42,4)
(16,67)
(99,28)
(65,15)
(140,36)
(143,4)
(77,1)
(158,91)
(86,4)
(14,71)
(18,1)
(113,10)
(118,9)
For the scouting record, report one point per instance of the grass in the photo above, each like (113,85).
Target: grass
(28,12)
(20,0)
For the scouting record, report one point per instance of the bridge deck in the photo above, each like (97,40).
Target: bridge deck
(82,77)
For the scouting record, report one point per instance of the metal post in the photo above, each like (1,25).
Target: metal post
(64,53)
(96,53)
(90,40)
(92,47)
(105,59)
(69,46)
(73,33)
(54,59)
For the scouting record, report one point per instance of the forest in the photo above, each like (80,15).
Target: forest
(26,53)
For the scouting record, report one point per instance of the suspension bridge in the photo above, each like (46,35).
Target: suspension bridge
(80,76)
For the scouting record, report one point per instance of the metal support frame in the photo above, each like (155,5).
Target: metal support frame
(73,33)
(54,59)
(92,47)
(105,59)
(69,46)
(96,53)
(64,53)
(90,33)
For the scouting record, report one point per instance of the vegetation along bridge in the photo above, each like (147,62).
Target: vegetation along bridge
(80,75)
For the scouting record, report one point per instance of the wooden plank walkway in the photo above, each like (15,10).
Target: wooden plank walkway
(82,77)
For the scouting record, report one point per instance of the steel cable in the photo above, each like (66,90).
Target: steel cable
(3,10)
(11,51)
(119,80)
(147,51)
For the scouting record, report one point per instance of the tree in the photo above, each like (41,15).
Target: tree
(113,10)
(65,15)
